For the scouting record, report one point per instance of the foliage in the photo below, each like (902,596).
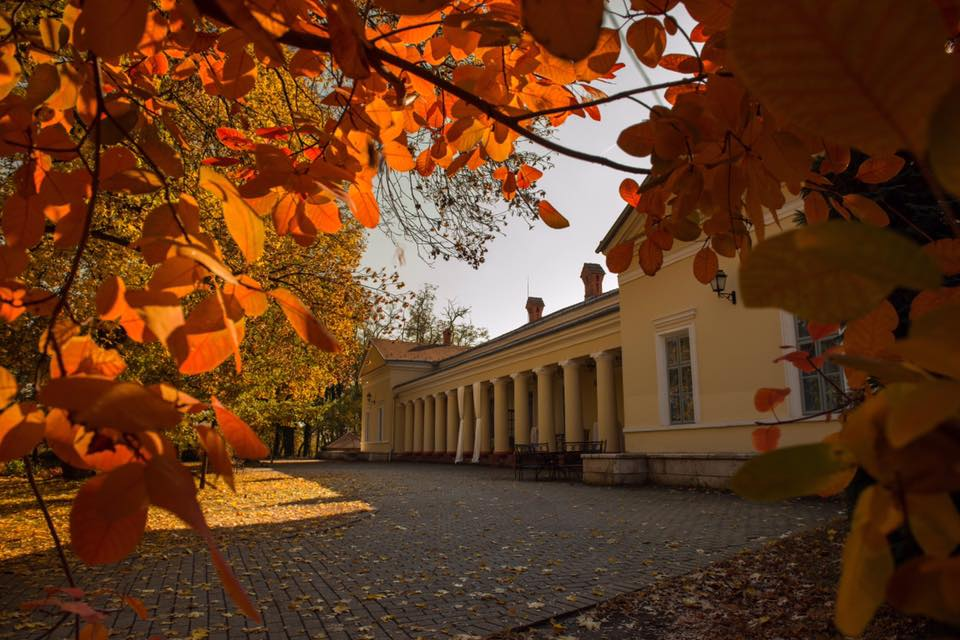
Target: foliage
(422,324)
(170,130)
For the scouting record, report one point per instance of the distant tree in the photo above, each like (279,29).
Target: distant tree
(423,324)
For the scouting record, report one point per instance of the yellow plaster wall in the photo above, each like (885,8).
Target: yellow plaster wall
(735,348)
(379,383)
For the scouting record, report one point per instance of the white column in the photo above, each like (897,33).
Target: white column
(521,411)
(453,421)
(572,410)
(545,428)
(607,401)
(428,423)
(481,407)
(408,426)
(501,418)
(418,425)
(440,422)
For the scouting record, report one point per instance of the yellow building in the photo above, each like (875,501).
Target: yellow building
(662,369)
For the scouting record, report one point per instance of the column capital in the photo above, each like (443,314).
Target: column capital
(545,369)
(571,362)
(520,374)
(602,355)
(420,400)
(499,380)
(440,393)
(452,393)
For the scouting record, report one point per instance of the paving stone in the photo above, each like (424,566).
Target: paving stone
(450,550)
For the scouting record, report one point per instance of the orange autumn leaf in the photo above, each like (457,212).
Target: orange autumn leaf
(620,257)
(946,253)
(705,265)
(630,191)
(412,7)
(879,169)
(244,225)
(866,209)
(111,27)
(301,319)
(216,447)
(8,386)
(648,40)
(109,515)
(766,398)
(766,438)
(550,216)
(21,429)
(102,402)
(527,175)
(238,433)
(567,29)
(650,256)
(815,208)
(363,205)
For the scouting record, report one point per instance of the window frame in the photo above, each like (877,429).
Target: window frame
(665,328)
(789,329)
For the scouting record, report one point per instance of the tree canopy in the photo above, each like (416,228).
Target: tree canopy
(206,143)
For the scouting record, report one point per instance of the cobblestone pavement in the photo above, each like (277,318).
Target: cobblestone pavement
(448,552)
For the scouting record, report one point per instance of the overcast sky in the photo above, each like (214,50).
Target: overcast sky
(549,259)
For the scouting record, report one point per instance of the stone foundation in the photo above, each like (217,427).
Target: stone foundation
(614,468)
(712,470)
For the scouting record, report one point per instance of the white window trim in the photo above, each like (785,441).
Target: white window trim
(663,327)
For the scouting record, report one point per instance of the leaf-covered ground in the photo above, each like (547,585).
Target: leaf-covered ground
(783,590)
(266,496)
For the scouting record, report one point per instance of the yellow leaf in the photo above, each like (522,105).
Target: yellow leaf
(242,222)
(834,271)
(944,133)
(791,471)
(916,409)
(867,561)
(844,70)
(934,522)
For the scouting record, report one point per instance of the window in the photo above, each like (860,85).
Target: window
(380,424)
(366,427)
(818,392)
(679,377)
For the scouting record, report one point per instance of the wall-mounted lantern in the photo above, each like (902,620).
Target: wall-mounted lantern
(719,285)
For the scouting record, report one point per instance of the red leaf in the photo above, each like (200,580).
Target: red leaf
(233,139)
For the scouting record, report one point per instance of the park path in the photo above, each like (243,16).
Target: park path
(446,552)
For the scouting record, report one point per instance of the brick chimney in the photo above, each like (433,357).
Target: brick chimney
(592,276)
(534,309)
(448,336)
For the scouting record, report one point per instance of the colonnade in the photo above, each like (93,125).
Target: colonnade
(430,424)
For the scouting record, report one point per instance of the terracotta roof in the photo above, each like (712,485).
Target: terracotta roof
(415,351)
(347,442)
